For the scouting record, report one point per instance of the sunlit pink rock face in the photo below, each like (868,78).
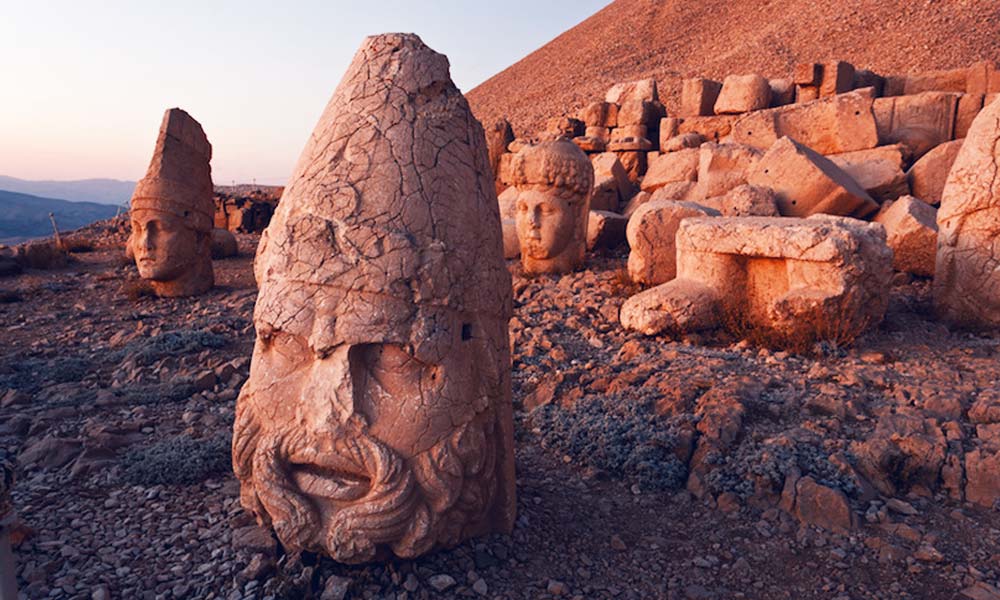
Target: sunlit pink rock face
(377,417)
(172,211)
(967,273)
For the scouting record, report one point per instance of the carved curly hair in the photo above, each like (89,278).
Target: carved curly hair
(559,163)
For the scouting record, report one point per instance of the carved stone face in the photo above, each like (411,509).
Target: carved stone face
(545,222)
(554,181)
(372,445)
(164,246)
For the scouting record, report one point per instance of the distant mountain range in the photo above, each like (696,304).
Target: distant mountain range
(101,191)
(23,216)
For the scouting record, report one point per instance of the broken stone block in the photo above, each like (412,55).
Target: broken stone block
(671,167)
(838,78)
(806,93)
(721,167)
(650,235)
(911,231)
(810,74)
(565,127)
(605,229)
(920,122)
(629,138)
(607,164)
(807,183)
(643,89)
(634,163)
(712,128)
(641,112)
(791,280)
(668,130)
(969,106)
(746,201)
(508,203)
(595,139)
(605,195)
(681,190)
(842,123)
(951,80)
(743,93)
(680,142)
(599,114)
(967,273)
(638,200)
(698,97)
(928,175)
(782,92)
(879,170)
(498,137)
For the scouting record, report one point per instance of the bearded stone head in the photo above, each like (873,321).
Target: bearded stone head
(171,211)
(554,182)
(377,417)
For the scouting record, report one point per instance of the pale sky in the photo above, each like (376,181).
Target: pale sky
(85,82)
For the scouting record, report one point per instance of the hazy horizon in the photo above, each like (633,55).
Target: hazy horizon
(92,84)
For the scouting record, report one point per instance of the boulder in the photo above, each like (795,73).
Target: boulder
(878,171)
(967,273)
(650,233)
(713,128)
(605,229)
(928,175)
(605,195)
(905,450)
(634,163)
(911,231)
(743,93)
(670,168)
(721,167)
(808,74)
(498,137)
(782,92)
(920,122)
(982,472)
(807,183)
(842,123)
(792,281)
(822,506)
(607,164)
(224,244)
(698,97)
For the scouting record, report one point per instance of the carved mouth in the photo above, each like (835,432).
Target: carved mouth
(331,483)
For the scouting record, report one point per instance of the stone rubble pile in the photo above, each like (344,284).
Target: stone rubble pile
(830,139)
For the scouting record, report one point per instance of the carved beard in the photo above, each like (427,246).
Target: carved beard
(407,506)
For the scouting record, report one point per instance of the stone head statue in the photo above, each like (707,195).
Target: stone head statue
(172,211)
(377,417)
(554,182)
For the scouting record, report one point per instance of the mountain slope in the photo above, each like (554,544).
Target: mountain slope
(674,39)
(23,216)
(102,191)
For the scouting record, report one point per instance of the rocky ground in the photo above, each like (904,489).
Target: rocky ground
(647,468)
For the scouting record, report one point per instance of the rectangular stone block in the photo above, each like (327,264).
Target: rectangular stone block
(698,97)
(969,106)
(782,92)
(712,128)
(669,127)
(951,80)
(671,168)
(642,89)
(809,74)
(863,78)
(920,122)
(838,78)
(806,93)
(599,114)
(832,125)
(879,170)
(743,93)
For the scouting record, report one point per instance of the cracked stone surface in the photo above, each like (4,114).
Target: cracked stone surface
(554,182)
(377,417)
(967,274)
(790,279)
(172,211)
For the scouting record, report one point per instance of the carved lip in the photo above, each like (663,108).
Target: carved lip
(332,478)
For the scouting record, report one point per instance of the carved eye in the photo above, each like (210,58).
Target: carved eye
(522,206)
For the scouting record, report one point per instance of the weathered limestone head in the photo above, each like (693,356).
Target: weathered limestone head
(554,181)
(377,415)
(172,211)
